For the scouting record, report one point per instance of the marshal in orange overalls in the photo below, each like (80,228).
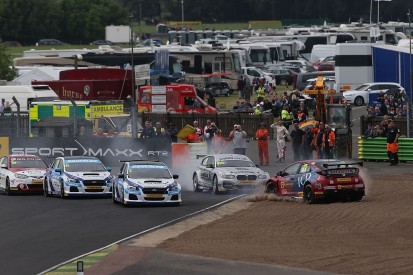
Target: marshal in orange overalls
(262,137)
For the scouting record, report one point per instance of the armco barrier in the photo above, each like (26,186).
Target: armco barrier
(375,149)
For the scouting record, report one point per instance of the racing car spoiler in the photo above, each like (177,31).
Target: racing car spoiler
(139,160)
(326,165)
(200,156)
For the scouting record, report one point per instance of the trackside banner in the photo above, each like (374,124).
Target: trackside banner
(109,150)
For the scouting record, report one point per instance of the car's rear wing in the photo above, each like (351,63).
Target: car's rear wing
(342,165)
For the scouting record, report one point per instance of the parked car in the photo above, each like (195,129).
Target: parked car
(313,180)
(101,42)
(326,64)
(146,182)
(155,41)
(51,42)
(211,84)
(301,80)
(282,76)
(10,44)
(227,172)
(77,176)
(368,92)
(21,174)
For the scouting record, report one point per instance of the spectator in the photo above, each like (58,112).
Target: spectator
(369,131)
(393,143)
(218,142)
(211,100)
(391,113)
(260,93)
(297,140)
(262,137)
(209,135)
(173,132)
(384,125)
(82,131)
(304,108)
(2,103)
(258,109)
(7,108)
(286,116)
(147,131)
(198,130)
(308,148)
(157,130)
(236,106)
(239,140)
(377,112)
(320,134)
(301,117)
(247,88)
(111,133)
(267,106)
(329,141)
(280,133)
(99,133)
(241,87)
(404,110)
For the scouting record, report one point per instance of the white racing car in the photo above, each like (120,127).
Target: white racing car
(78,176)
(146,182)
(21,174)
(227,172)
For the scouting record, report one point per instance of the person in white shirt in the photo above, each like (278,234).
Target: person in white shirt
(2,103)
(280,133)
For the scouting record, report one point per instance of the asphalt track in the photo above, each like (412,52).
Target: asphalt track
(38,233)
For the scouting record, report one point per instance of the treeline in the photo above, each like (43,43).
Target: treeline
(82,21)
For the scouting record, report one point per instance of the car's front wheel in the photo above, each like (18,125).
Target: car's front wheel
(8,192)
(46,188)
(195,184)
(358,101)
(309,194)
(62,190)
(356,196)
(215,186)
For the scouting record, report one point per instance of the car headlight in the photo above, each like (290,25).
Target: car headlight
(228,176)
(174,187)
(74,180)
(262,176)
(20,176)
(132,188)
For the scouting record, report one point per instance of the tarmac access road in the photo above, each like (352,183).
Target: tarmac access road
(38,233)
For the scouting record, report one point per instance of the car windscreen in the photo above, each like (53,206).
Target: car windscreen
(27,163)
(84,165)
(234,163)
(148,171)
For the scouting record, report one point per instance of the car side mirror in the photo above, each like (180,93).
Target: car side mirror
(109,169)
(175,177)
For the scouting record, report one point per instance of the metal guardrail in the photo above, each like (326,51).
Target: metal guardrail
(13,125)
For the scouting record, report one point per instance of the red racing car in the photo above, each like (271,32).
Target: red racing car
(317,179)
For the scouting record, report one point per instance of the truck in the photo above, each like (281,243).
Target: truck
(178,98)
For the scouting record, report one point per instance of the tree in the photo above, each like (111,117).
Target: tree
(6,73)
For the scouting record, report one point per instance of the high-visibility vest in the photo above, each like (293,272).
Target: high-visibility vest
(261,92)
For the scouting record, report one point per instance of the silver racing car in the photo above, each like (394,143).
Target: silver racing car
(227,172)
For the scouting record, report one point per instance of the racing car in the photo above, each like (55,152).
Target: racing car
(21,173)
(146,182)
(313,180)
(227,172)
(77,176)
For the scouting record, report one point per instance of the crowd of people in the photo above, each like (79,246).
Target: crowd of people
(5,107)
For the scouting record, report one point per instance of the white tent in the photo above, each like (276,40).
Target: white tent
(27,75)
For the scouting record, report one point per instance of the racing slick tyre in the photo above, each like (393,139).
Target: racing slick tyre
(7,190)
(358,101)
(113,196)
(215,186)
(62,190)
(46,188)
(309,194)
(195,184)
(271,187)
(356,196)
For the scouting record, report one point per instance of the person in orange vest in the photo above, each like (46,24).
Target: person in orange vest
(193,138)
(329,141)
(393,134)
(262,137)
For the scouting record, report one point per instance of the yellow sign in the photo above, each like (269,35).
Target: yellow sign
(106,109)
(4,146)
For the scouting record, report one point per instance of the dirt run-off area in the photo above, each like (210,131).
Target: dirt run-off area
(373,236)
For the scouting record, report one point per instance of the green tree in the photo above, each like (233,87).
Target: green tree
(6,73)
